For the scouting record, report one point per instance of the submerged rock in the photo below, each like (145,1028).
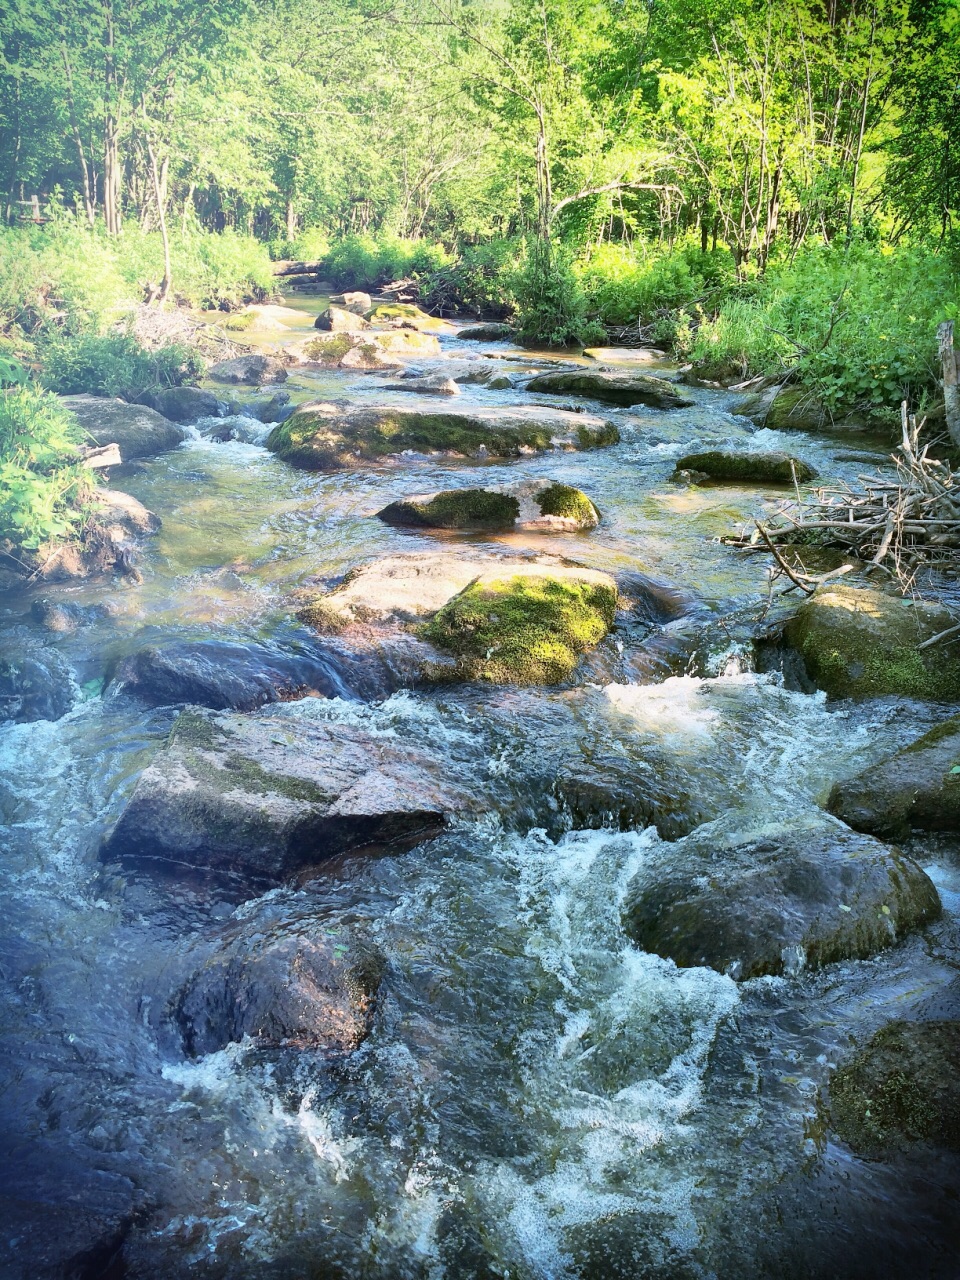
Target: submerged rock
(858,642)
(271,410)
(282,978)
(490,331)
(915,789)
(900,1090)
(35,683)
(138,430)
(184,404)
(616,387)
(255,368)
(770,467)
(264,796)
(551,508)
(323,435)
(340,320)
(776,901)
(220,675)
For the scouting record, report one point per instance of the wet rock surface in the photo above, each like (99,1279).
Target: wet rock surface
(858,642)
(139,430)
(900,1090)
(916,789)
(769,467)
(491,331)
(184,404)
(622,387)
(549,507)
(325,435)
(263,797)
(35,683)
(285,977)
(257,369)
(777,902)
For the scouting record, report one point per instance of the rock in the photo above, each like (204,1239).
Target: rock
(500,382)
(283,977)
(407,342)
(626,355)
(220,675)
(769,467)
(323,435)
(857,642)
(900,1090)
(340,320)
(776,901)
(357,302)
(793,408)
(184,404)
(35,683)
(488,332)
(139,431)
(117,523)
(620,387)
(403,313)
(364,350)
(265,795)
(915,789)
(254,368)
(369,357)
(431,385)
(65,617)
(271,410)
(552,508)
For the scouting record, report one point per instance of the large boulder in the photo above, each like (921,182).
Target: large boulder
(365,351)
(356,301)
(239,677)
(138,430)
(340,320)
(901,1090)
(551,508)
(915,789)
(254,368)
(489,331)
(777,900)
(324,435)
(622,387)
(769,467)
(407,315)
(429,385)
(184,404)
(263,796)
(35,683)
(858,642)
(282,978)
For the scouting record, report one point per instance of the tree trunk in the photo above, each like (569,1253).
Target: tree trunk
(111,143)
(161,211)
(951,392)
(291,219)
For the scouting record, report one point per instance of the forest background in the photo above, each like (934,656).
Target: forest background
(763,186)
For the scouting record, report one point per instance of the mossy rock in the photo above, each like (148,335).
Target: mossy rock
(486,332)
(329,348)
(525,629)
(407,314)
(615,387)
(858,642)
(322,436)
(565,502)
(902,1089)
(916,789)
(770,467)
(455,509)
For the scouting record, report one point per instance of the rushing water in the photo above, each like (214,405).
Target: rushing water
(538,1098)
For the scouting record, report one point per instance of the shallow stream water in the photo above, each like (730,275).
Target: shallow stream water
(538,1099)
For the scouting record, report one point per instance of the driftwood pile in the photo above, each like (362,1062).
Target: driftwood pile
(895,526)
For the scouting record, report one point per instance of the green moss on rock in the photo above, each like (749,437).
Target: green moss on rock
(901,1089)
(857,642)
(523,630)
(770,467)
(568,503)
(329,349)
(456,509)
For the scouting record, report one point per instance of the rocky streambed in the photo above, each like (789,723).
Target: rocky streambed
(443,863)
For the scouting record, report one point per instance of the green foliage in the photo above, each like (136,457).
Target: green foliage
(42,485)
(115,364)
(624,285)
(551,304)
(364,261)
(479,281)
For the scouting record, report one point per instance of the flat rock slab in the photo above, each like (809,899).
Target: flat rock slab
(263,796)
(625,355)
(283,977)
(326,435)
(778,901)
(140,431)
(239,677)
(770,467)
(364,351)
(426,386)
(256,369)
(532,506)
(858,642)
(487,332)
(622,387)
(915,789)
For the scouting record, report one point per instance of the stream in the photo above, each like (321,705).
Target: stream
(538,1099)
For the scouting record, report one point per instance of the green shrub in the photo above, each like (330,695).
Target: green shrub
(42,486)
(479,281)
(626,285)
(552,307)
(364,261)
(114,364)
